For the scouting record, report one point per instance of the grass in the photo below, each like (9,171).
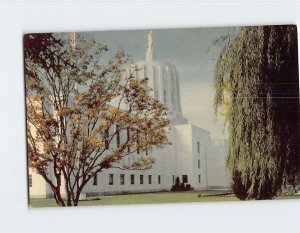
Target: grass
(150,198)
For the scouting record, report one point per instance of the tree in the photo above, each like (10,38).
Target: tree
(258,73)
(41,49)
(79,108)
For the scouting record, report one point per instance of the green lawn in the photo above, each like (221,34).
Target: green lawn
(148,198)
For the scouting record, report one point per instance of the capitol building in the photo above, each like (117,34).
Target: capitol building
(194,157)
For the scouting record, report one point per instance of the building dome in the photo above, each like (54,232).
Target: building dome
(164,80)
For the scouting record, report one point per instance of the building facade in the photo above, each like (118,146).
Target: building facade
(194,157)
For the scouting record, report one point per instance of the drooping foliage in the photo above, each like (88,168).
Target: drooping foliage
(258,74)
(85,113)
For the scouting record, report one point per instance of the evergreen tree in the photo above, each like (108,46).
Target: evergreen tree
(257,73)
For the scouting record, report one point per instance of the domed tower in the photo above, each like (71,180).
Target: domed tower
(164,80)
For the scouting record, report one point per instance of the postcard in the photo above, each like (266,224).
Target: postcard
(162,116)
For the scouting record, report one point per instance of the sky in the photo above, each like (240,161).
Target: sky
(193,54)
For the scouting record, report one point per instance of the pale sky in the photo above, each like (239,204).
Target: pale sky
(187,49)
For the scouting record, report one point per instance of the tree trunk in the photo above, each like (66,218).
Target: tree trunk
(57,197)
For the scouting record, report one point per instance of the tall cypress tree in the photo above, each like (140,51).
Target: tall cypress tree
(258,73)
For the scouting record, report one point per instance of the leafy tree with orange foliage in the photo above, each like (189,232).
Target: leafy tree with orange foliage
(78,105)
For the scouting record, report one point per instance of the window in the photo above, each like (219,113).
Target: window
(128,137)
(141,179)
(138,142)
(118,135)
(146,144)
(185,179)
(149,179)
(30,180)
(198,147)
(199,178)
(158,179)
(132,179)
(199,163)
(165,97)
(106,135)
(111,179)
(95,181)
(122,179)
